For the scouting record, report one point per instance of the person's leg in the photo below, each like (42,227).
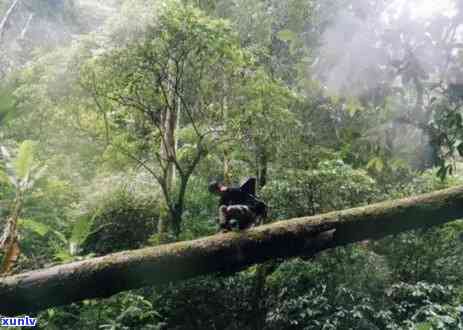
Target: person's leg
(224,220)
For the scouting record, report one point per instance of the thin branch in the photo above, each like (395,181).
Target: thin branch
(6,18)
(139,161)
(26,27)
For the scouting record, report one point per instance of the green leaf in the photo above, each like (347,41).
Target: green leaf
(7,104)
(424,326)
(81,230)
(4,177)
(63,256)
(353,106)
(37,227)
(25,159)
(286,35)
(397,164)
(376,163)
(61,236)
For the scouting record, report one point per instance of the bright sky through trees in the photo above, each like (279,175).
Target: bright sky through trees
(425,8)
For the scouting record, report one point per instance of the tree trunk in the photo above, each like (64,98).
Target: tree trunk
(258,300)
(226,167)
(105,276)
(262,166)
(168,148)
(9,241)
(227,179)
(259,296)
(168,152)
(168,145)
(431,148)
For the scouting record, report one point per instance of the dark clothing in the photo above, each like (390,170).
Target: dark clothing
(233,196)
(239,205)
(244,195)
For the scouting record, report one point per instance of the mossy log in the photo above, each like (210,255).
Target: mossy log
(105,276)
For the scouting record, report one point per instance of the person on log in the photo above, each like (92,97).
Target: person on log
(238,205)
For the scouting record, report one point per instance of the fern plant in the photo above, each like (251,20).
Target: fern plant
(22,172)
(81,230)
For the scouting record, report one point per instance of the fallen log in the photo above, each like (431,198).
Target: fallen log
(105,276)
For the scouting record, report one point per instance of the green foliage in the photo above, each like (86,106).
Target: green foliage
(7,103)
(431,255)
(332,186)
(34,226)
(222,302)
(124,311)
(23,169)
(201,210)
(25,159)
(314,311)
(425,305)
(80,231)
(417,307)
(447,134)
(121,222)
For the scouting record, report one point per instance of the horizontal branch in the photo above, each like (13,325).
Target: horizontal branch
(105,276)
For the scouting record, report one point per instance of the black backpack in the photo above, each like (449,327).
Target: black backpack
(256,205)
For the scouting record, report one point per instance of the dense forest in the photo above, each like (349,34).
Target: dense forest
(115,115)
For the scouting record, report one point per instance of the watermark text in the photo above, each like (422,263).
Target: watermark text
(24,321)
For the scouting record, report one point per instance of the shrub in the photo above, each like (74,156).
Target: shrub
(121,222)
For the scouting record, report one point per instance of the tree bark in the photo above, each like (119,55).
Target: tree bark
(105,276)
(262,166)
(9,241)
(168,151)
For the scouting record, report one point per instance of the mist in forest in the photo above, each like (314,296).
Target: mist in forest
(369,42)
(29,28)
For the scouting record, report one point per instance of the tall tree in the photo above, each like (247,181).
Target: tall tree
(163,91)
